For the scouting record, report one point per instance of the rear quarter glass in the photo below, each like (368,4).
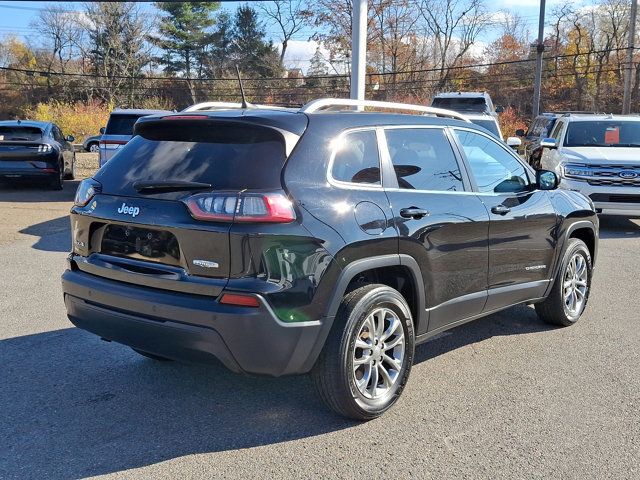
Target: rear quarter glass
(226,156)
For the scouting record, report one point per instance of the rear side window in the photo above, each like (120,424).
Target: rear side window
(424,160)
(27,134)
(357,159)
(121,124)
(227,156)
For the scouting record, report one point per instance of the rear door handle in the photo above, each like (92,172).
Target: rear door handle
(500,210)
(414,212)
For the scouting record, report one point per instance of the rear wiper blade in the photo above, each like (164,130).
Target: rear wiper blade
(169,186)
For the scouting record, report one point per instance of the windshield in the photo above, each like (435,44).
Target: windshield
(461,103)
(603,133)
(28,134)
(121,124)
(488,125)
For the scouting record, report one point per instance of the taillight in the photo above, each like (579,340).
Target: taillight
(45,148)
(244,207)
(86,190)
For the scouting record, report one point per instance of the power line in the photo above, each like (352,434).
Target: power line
(44,73)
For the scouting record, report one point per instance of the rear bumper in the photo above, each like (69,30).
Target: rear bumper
(192,327)
(26,169)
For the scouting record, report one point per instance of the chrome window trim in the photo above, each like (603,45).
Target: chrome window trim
(334,151)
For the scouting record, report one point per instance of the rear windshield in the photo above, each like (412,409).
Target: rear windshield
(488,125)
(605,133)
(462,103)
(29,134)
(121,124)
(229,157)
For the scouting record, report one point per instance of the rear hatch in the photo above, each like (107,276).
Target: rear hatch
(139,229)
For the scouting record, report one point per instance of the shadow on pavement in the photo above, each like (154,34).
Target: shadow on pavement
(74,406)
(617,226)
(35,192)
(517,320)
(55,235)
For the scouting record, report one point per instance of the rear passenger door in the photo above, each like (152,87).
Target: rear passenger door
(440,222)
(522,231)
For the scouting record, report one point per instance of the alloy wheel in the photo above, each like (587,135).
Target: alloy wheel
(378,353)
(575,284)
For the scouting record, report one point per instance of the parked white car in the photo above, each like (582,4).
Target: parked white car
(599,156)
(491,124)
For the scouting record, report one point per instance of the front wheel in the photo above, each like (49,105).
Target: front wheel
(570,291)
(368,356)
(94,148)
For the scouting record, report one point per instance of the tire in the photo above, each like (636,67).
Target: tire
(558,308)
(348,390)
(152,356)
(72,174)
(93,147)
(57,183)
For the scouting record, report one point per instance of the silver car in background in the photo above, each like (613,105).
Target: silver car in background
(598,156)
(119,130)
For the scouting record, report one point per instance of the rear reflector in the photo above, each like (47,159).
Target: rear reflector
(239,300)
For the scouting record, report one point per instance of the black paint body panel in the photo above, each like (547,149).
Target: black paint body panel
(462,260)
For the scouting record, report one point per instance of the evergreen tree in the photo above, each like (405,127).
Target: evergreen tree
(251,50)
(222,47)
(184,37)
(317,68)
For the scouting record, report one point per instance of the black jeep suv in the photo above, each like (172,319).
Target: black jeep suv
(332,242)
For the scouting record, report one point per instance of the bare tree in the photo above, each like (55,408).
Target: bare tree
(290,17)
(116,48)
(453,26)
(61,33)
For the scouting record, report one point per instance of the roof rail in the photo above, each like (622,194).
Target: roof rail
(330,104)
(228,106)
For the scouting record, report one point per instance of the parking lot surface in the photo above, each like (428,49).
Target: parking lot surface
(504,397)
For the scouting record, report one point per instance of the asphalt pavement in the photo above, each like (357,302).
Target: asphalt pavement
(504,397)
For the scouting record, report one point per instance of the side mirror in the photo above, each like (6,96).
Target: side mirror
(520,133)
(547,180)
(514,142)
(102,130)
(70,138)
(548,143)
(499,109)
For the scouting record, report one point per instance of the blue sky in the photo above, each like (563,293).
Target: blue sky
(16,17)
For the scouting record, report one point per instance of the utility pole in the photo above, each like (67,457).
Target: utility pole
(626,99)
(358,48)
(537,86)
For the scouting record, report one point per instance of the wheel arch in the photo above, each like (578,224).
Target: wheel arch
(400,272)
(586,231)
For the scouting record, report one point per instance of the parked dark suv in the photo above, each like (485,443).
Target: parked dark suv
(323,241)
